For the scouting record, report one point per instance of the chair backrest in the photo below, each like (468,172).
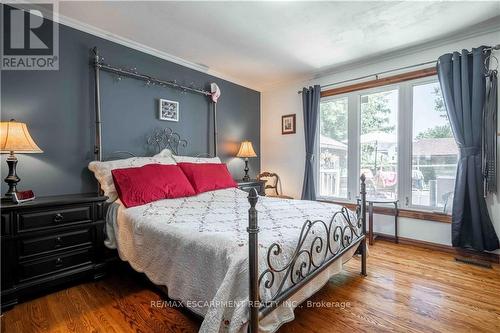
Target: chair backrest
(273,182)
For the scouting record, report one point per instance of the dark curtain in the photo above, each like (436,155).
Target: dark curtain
(310,104)
(462,80)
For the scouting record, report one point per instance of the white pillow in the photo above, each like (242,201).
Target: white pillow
(189,159)
(102,171)
(164,153)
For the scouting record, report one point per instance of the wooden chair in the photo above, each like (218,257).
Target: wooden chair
(273,185)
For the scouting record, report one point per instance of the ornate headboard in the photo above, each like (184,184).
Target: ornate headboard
(159,139)
(166,139)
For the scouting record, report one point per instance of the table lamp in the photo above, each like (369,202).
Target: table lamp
(246,151)
(15,138)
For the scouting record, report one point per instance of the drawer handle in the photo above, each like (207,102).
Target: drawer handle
(58,242)
(58,218)
(59,262)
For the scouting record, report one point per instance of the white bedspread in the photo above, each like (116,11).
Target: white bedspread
(197,248)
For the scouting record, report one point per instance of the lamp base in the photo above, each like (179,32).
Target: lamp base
(12,179)
(246,178)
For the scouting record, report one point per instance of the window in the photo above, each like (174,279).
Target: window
(333,148)
(434,151)
(379,143)
(399,136)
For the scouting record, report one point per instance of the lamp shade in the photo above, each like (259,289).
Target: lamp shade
(14,137)
(246,150)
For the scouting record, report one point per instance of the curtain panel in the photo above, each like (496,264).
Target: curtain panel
(310,104)
(463,84)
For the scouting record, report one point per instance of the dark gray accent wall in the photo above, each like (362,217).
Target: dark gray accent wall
(58,108)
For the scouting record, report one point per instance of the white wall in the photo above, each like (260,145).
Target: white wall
(285,154)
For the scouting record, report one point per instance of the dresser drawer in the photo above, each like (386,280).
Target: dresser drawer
(54,264)
(59,241)
(58,216)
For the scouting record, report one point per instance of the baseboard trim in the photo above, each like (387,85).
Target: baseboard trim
(487,256)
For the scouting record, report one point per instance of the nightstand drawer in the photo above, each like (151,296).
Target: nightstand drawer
(35,220)
(54,264)
(46,244)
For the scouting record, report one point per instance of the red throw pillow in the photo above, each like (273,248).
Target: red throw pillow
(139,186)
(208,176)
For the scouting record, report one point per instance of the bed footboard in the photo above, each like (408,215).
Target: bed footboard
(314,253)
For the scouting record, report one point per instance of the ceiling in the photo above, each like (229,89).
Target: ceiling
(259,44)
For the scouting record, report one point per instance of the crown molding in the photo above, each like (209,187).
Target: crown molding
(78,25)
(101,33)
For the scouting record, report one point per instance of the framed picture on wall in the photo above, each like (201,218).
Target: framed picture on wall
(288,124)
(169,110)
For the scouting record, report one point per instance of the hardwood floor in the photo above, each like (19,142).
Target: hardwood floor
(408,289)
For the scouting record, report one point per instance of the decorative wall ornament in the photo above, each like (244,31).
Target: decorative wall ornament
(288,124)
(168,110)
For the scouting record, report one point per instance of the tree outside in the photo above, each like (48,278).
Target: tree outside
(438,131)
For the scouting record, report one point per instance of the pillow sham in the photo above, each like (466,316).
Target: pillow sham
(207,176)
(152,182)
(198,160)
(102,170)
(164,153)
(189,159)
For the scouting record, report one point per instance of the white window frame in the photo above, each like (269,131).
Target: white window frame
(405,142)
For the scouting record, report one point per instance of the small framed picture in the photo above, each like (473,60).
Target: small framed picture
(169,110)
(288,124)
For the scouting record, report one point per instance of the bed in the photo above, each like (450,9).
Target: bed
(240,261)
(198,248)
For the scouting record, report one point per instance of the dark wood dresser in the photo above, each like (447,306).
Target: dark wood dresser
(49,242)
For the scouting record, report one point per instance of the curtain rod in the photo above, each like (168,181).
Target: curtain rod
(488,48)
(375,74)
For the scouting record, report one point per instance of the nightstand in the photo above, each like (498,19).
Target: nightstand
(259,185)
(49,242)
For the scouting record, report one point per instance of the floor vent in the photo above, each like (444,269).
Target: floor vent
(472,261)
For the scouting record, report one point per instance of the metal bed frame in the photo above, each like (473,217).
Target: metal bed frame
(97,61)
(314,252)
(301,267)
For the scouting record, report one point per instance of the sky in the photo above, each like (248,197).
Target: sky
(424,115)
